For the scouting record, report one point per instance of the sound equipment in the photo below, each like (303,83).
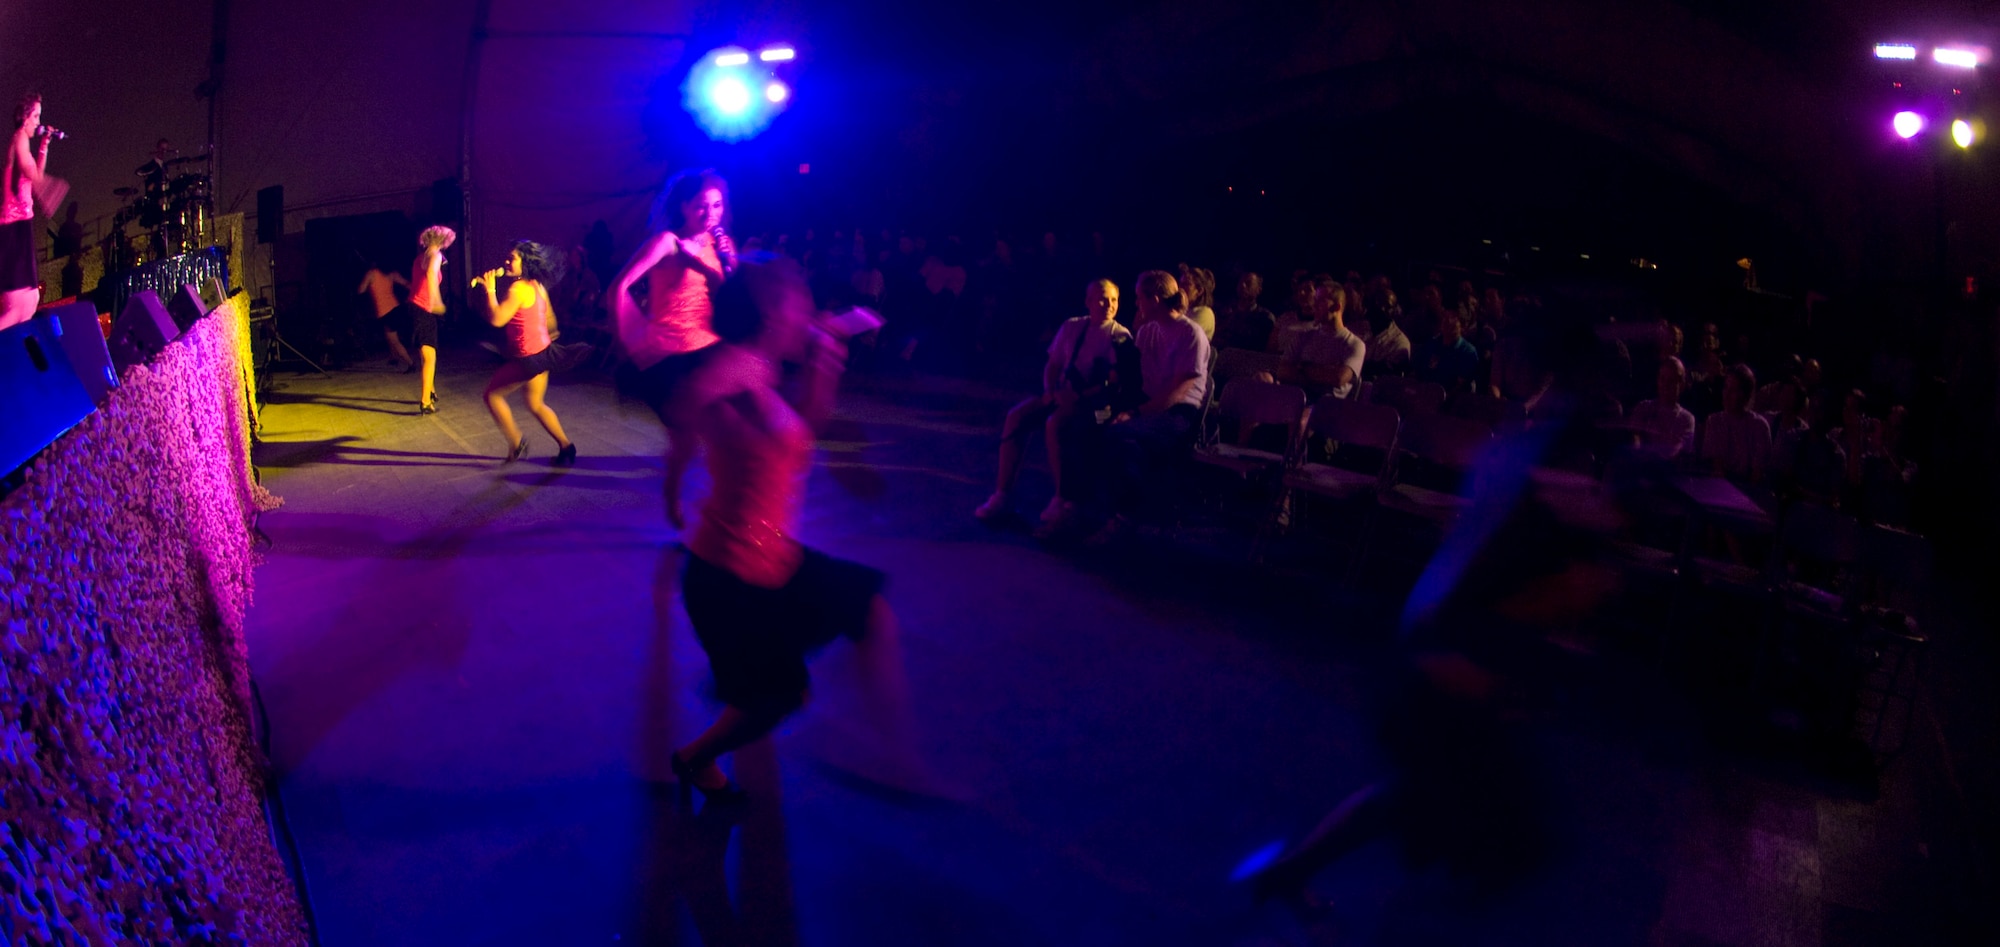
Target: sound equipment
(83,342)
(142,330)
(186,306)
(43,396)
(213,294)
(271,213)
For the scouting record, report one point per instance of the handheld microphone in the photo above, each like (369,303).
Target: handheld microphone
(55,134)
(715,235)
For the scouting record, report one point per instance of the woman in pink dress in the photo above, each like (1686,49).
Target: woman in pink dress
(27,162)
(527,318)
(425,306)
(759,600)
(684,261)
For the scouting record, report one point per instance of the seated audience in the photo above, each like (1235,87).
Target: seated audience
(1737,441)
(1243,324)
(1665,429)
(1173,374)
(1325,358)
(1388,346)
(1307,305)
(1448,359)
(1766,402)
(1075,382)
(1199,285)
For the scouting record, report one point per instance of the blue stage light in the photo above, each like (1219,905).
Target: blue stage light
(733,95)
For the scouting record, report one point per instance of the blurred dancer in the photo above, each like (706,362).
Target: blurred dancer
(528,320)
(684,261)
(380,288)
(426,305)
(26,173)
(758,599)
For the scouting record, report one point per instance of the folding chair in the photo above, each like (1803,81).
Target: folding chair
(1898,565)
(1450,444)
(1351,424)
(1409,396)
(1249,401)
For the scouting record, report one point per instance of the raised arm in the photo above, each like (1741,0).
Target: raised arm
(499,311)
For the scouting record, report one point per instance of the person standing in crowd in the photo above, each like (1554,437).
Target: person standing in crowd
(1173,373)
(687,257)
(528,321)
(380,288)
(1076,380)
(426,305)
(1244,324)
(27,169)
(759,600)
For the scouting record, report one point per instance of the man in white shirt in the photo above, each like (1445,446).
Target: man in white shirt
(1325,358)
(1074,380)
(1665,429)
(1173,373)
(1737,441)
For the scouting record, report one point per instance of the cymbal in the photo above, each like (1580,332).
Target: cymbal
(124,191)
(187,160)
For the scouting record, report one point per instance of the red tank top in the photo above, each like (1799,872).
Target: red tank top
(528,331)
(679,311)
(424,276)
(759,467)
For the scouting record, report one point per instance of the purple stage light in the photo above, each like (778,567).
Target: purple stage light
(734,94)
(1895,51)
(1907,124)
(1961,58)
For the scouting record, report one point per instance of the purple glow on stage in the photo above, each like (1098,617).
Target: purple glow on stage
(1907,124)
(733,97)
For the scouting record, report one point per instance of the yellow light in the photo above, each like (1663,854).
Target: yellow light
(1962,133)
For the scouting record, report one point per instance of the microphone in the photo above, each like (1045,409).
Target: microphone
(55,134)
(715,235)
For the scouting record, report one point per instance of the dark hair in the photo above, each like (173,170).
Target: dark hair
(21,108)
(681,188)
(540,262)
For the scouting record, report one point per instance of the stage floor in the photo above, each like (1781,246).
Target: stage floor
(473,672)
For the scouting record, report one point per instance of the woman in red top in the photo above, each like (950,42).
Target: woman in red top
(527,318)
(758,599)
(684,261)
(426,305)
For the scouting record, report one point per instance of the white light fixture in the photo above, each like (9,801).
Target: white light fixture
(1962,58)
(777,54)
(732,59)
(1962,133)
(1895,51)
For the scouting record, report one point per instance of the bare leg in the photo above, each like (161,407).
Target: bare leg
(1052,433)
(733,729)
(396,349)
(1010,443)
(538,389)
(681,450)
(18,305)
(429,376)
(498,388)
(866,722)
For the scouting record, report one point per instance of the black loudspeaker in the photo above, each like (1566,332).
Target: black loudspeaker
(83,341)
(271,213)
(43,396)
(142,330)
(186,306)
(447,201)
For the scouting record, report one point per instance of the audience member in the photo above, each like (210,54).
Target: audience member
(1243,324)
(1447,359)
(1304,314)
(1766,401)
(1075,382)
(1665,429)
(1737,441)
(1388,346)
(1199,285)
(1173,373)
(1324,357)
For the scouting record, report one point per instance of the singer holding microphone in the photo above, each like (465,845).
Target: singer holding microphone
(528,319)
(26,180)
(685,261)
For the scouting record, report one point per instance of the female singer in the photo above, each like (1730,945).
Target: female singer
(758,599)
(685,260)
(528,320)
(20,274)
(426,305)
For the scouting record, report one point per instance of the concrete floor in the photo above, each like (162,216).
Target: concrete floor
(474,672)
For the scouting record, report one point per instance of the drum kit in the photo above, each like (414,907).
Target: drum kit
(174,210)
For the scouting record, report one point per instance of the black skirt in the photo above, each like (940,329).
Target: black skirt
(17,256)
(423,325)
(657,385)
(757,639)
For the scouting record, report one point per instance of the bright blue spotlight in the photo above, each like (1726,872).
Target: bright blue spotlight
(730,93)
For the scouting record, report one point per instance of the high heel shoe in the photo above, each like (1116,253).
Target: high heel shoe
(520,450)
(565,457)
(431,408)
(728,792)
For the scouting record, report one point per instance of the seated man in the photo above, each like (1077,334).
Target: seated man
(1665,429)
(1325,358)
(1173,374)
(1074,382)
(1243,324)
(1737,442)
(1447,358)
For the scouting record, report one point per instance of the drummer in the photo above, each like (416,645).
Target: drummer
(155,168)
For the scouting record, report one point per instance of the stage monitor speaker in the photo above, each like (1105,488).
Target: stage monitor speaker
(43,396)
(83,341)
(186,306)
(213,294)
(271,213)
(142,330)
